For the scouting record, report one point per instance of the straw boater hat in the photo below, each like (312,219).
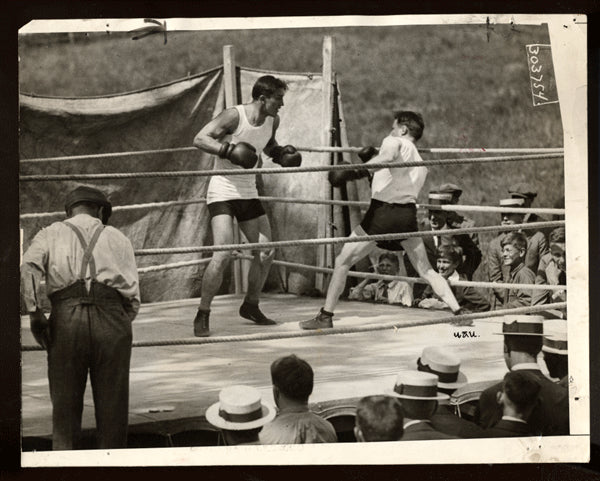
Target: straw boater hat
(439,198)
(239,408)
(446,366)
(512,202)
(555,336)
(522,325)
(417,385)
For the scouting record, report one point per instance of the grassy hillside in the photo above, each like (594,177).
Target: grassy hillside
(470,83)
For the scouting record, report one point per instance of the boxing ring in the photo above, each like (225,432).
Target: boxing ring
(176,376)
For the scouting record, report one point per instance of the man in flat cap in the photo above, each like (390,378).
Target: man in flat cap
(523,335)
(525,191)
(92,282)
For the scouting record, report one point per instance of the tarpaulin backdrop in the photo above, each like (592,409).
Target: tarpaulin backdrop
(169,116)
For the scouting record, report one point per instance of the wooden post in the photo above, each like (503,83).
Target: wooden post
(231,99)
(324,252)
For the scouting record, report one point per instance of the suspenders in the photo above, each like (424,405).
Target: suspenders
(88,258)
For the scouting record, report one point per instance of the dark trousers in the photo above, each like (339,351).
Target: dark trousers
(89,333)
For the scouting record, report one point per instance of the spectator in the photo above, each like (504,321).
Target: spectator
(437,221)
(292,385)
(391,292)
(514,248)
(536,246)
(552,270)
(536,239)
(419,397)
(525,191)
(522,344)
(438,361)
(379,418)
(468,297)
(456,220)
(555,350)
(240,415)
(518,398)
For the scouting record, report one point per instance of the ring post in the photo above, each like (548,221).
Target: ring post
(231,99)
(324,219)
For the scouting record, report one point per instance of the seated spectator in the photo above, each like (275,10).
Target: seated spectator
(514,249)
(438,361)
(552,270)
(536,247)
(292,379)
(522,343)
(390,292)
(468,297)
(438,221)
(379,418)
(555,350)
(518,397)
(456,220)
(419,397)
(536,239)
(240,415)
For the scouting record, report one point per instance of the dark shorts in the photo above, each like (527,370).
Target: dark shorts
(241,209)
(384,218)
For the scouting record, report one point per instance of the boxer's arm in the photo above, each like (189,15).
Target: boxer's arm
(272,143)
(387,152)
(210,136)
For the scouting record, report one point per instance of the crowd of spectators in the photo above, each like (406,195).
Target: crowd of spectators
(524,256)
(426,401)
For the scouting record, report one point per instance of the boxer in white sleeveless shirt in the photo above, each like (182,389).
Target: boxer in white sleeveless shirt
(394,193)
(237,136)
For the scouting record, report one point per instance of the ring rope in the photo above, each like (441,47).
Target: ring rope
(343,240)
(175,150)
(419,280)
(364,275)
(281,170)
(335,330)
(174,265)
(350,203)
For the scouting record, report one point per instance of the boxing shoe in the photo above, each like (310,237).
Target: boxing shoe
(323,320)
(254,314)
(201,323)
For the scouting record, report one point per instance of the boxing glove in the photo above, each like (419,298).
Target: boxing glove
(367,153)
(241,154)
(337,178)
(286,156)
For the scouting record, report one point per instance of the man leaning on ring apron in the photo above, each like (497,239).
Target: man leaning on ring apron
(92,282)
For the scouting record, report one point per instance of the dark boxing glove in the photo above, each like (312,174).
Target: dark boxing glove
(337,178)
(367,153)
(242,154)
(287,156)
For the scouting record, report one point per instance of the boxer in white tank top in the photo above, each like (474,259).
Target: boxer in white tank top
(222,187)
(232,136)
